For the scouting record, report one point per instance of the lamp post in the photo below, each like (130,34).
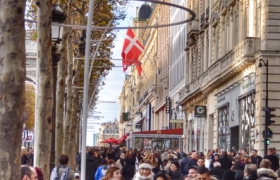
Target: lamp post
(56,36)
(261,63)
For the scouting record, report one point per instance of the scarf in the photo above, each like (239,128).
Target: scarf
(139,177)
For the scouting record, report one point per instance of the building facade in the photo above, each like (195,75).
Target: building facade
(225,44)
(213,87)
(107,130)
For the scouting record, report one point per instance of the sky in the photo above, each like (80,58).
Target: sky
(113,84)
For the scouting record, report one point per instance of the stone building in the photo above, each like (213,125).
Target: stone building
(108,130)
(224,46)
(207,73)
(143,100)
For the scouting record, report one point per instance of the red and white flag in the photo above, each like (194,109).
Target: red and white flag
(132,49)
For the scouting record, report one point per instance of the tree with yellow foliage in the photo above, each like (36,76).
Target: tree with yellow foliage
(29,106)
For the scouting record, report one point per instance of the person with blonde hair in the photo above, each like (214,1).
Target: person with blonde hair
(113,173)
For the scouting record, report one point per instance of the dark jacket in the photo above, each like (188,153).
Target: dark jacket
(256,160)
(127,170)
(24,160)
(91,167)
(186,163)
(274,161)
(239,174)
(225,162)
(217,172)
(266,174)
(177,175)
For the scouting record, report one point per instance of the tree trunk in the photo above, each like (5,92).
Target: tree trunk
(66,144)
(12,86)
(74,126)
(70,118)
(45,92)
(60,94)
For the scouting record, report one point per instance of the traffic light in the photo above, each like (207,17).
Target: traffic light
(268,115)
(267,141)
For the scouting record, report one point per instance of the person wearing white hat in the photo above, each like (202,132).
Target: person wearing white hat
(145,171)
(77,176)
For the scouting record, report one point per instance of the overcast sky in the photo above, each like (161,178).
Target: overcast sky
(114,81)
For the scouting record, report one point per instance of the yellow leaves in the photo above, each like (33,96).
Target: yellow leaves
(30,106)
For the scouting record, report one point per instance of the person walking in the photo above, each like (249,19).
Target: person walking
(128,169)
(28,172)
(62,171)
(273,159)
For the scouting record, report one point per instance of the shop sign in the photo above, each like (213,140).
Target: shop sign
(167,105)
(199,111)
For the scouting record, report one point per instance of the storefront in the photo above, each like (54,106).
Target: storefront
(236,115)
(157,140)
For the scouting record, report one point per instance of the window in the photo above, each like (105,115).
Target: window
(247,120)
(223,128)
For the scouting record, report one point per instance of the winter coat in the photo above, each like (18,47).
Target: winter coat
(91,167)
(225,162)
(218,172)
(274,162)
(256,160)
(100,172)
(186,163)
(120,163)
(266,174)
(239,174)
(177,175)
(127,172)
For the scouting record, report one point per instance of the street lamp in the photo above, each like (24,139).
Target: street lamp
(56,36)
(261,63)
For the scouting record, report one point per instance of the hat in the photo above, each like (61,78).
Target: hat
(193,167)
(145,165)
(39,173)
(77,175)
(228,175)
(176,164)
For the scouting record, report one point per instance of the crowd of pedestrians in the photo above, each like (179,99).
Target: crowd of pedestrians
(128,164)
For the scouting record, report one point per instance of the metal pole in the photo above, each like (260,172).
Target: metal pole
(266,112)
(85,94)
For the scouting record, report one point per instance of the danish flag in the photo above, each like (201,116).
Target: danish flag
(132,49)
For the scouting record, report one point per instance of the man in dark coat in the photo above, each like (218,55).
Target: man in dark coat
(225,161)
(127,170)
(186,163)
(250,172)
(273,159)
(255,158)
(217,171)
(91,165)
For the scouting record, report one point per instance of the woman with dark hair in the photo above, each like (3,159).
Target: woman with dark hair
(161,175)
(174,172)
(128,169)
(216,158)
(113,173)
(120,161)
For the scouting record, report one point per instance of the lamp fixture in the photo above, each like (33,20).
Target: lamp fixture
(57,17)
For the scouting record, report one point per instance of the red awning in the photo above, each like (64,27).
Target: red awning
(123,138)
(168,131)
(110,140)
